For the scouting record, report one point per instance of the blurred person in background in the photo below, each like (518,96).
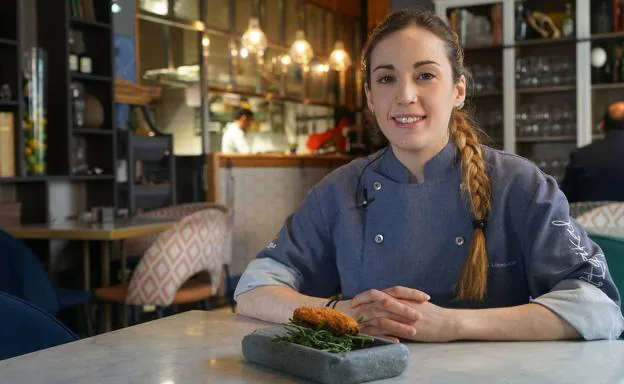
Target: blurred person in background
(596,171)
(234,140)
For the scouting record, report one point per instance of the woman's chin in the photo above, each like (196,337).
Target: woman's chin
(412,144)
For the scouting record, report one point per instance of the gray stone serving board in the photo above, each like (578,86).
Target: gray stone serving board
(382,360)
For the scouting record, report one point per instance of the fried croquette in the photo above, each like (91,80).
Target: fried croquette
(331,319)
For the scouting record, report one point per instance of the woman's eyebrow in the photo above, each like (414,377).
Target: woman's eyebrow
(416,65)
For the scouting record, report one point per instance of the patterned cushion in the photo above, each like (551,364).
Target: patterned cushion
(196,243)
(610,216)
(137,246)
(579,208)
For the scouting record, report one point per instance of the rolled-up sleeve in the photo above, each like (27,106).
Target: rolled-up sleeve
(301,257)
(566,271)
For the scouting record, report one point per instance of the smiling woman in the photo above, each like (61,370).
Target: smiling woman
(411,257)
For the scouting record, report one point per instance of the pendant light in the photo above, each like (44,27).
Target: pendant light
(301,51)
(254,40)
(339,59)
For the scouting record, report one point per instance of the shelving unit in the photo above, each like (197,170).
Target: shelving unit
(150,172)
(11,75)
(580,97)
(53,23)
(67,140)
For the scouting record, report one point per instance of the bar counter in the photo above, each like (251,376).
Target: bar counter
(205,347)
(262,190)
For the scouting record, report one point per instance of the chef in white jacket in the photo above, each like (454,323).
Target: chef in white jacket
(234,140)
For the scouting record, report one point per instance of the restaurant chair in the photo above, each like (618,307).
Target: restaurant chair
(606,217)
(135,247)
(580,207)
(23,275)
(170,271)
(25,328)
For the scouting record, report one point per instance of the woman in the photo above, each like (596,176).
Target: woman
(436,237)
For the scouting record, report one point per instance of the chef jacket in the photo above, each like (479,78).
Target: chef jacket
(233,140)
(418,235)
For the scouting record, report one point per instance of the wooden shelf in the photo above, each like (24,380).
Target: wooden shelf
(89,77)
(487,94)
(546,139)
(89,23)
(607,36)
(149,190)
(26,179)
(91,177)
(532,42)
(8,103)
(88,131)
(8,42)
(556,88)
(484,47)
(610,86)
(127,92)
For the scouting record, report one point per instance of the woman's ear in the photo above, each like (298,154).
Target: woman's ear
(460,92)
(369,98)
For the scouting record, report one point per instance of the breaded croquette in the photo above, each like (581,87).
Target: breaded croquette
(331,319)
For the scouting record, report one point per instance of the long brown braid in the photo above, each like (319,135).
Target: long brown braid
(475,184)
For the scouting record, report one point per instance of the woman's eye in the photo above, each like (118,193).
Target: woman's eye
(385,79)
(425,76)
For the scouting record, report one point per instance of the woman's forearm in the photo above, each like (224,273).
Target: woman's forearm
(523,322)
(274,303)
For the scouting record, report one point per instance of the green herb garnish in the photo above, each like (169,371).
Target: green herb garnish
(322,339)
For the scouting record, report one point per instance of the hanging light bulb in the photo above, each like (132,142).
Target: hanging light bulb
(301,51)
(339,59)
(254,40)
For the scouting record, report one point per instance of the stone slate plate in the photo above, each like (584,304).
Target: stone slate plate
(379,361)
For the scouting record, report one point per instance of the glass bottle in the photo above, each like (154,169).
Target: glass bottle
(601,21)
(568,22)
(520,22)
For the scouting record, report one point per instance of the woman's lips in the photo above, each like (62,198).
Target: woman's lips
(408,121)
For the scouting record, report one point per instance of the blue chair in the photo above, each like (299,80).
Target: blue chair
(24,328)
(23,275)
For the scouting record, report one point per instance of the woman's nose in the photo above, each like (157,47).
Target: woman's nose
(407,93)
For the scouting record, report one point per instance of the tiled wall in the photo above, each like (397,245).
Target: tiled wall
(262,199)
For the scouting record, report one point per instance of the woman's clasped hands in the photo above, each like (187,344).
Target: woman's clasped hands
(401,313)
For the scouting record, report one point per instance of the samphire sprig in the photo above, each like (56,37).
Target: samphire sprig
(322,339)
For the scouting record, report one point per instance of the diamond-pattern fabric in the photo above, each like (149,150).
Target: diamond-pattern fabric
(194,244)
(607,217)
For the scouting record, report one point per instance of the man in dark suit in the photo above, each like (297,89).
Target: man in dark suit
(596,171)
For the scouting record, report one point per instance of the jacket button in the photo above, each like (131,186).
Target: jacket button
(459,240)
(379,238)
(377,186)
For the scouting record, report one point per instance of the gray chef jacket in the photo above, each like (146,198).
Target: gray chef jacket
(418,235)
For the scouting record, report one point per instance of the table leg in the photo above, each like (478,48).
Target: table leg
(86,264)
(105,260)
(122,247)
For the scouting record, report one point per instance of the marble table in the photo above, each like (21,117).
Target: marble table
(205,347)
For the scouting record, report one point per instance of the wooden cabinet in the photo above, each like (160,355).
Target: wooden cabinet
(377,10)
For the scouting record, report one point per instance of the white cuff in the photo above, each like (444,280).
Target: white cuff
(586,308)
(267,271)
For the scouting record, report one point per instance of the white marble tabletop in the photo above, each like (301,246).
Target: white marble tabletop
(205,347)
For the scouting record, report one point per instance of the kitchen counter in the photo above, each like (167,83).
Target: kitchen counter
(262,190)
(278,160)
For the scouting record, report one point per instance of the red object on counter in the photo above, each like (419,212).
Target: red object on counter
(333,136)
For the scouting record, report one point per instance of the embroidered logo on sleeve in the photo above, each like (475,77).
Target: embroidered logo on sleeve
(273,243)
(597,270)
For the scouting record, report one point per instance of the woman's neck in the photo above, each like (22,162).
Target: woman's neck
(415,161)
